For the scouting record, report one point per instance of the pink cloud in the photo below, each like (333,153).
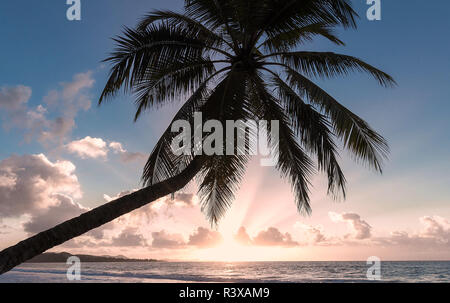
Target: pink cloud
(162,239)
(242,236)
(273,237)
(204,237)
(64,210)
(360,229)
(129,237)
(314,235)
(270,237)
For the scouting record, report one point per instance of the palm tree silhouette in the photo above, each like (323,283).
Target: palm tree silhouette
(233,60)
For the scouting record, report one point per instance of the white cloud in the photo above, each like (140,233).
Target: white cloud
(37,181)
(119,195)
(98,148)
(125,155)
(88,148)
(117,147)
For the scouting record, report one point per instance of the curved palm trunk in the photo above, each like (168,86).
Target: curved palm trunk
(31,247)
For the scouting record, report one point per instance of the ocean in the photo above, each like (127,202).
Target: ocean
(242,272)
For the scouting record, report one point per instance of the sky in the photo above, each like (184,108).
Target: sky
(61,154)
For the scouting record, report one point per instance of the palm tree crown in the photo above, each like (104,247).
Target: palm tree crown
(240,60)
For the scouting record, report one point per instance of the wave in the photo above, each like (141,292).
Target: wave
(181,277)
(131,275)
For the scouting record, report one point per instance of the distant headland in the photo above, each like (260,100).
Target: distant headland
(63,256)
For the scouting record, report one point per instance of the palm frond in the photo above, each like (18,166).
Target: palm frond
(220,177)
(293,162)
(285,41)
(181,20)
(171,82)
(358,137)
(313,129)
(216,15)
(328,64)
(222,174)
(162,163)
(157,46)
(285,15)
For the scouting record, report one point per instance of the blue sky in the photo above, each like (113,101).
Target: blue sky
(41,49)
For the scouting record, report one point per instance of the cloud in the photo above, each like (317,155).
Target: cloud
(55,130)
(129,237)
(73,91)
(31,183)
(162,239)
(63,104)
(200,238)
(270,237)
(313,234)
(181,200)
(360,229)
(204,238)
(117,147)
(95,148)
(14,98)
(273,237)
(161,206)
(144,215)
(88,148)
(125,155)
(178,199)
(7,181)
(436,227)
(242,236)
(111,234)
(72,96)
(434,235)
(64,210)
(119,195)
(5,229)
(13,102)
